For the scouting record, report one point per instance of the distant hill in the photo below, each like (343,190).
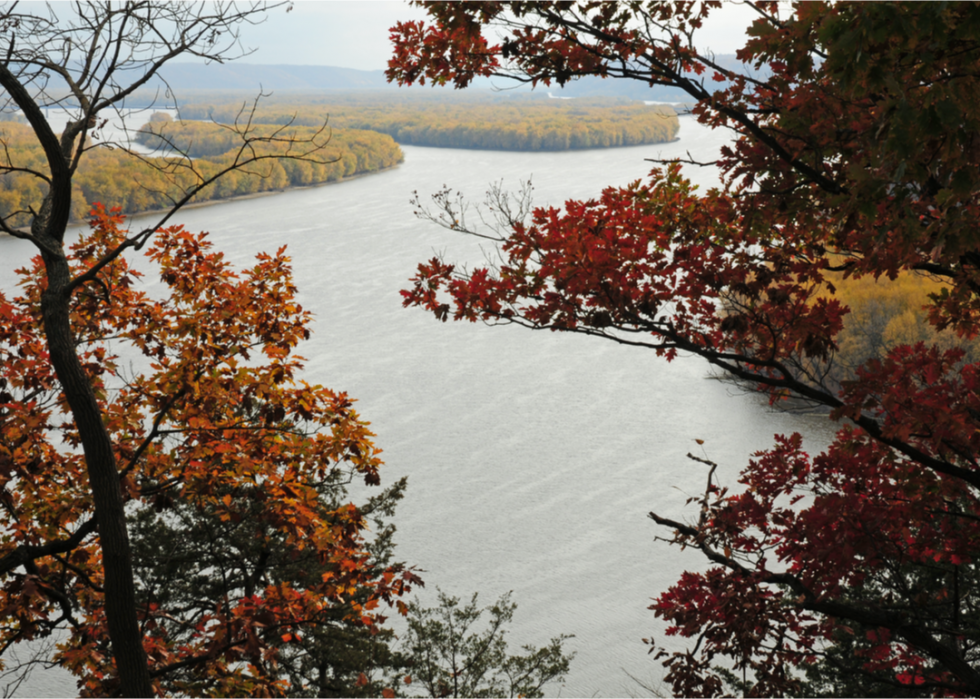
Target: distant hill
(592,86)
(245,76)
(194,81)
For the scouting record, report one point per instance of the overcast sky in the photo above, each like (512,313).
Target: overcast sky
(355,34)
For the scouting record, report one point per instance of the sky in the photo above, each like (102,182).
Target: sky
(355,34)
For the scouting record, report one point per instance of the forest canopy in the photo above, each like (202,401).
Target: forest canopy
(885,314)
(517,121)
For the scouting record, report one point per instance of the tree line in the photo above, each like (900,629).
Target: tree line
(154,182)
(520,122)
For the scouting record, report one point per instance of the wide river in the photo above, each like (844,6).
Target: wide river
(533,458)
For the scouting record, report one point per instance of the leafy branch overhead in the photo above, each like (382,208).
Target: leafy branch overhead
(853,160)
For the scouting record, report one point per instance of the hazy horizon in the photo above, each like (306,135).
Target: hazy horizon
(346,34)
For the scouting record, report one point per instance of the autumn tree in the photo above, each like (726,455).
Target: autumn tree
(187,555)
(854,151)
(219,419)
(231,468)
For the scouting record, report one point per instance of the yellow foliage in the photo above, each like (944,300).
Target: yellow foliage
(886,313)
(115,178)
(517,122)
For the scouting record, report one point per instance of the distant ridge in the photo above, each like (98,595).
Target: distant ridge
(245,76)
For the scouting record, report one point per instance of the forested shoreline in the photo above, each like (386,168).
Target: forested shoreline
(361,137)
(115,177)
(885,316)
(519,122)
(880,317)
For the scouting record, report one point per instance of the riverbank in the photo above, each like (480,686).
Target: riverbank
(511,122)
(239,197)
(138,184)
(270,192)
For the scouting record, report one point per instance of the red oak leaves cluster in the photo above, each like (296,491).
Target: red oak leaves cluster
(197,381)
(854,153)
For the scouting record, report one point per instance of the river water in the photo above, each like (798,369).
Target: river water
(533,457)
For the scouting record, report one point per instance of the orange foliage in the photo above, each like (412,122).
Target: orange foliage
(218,418)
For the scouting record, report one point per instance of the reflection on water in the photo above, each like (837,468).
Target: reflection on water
(533,458)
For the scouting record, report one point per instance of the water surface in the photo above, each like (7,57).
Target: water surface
(533,457)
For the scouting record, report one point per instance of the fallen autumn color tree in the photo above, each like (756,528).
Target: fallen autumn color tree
(854,150)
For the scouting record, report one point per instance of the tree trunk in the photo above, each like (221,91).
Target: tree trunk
(48,231)
(120,590)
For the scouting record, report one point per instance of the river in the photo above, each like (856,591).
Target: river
(533,458)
